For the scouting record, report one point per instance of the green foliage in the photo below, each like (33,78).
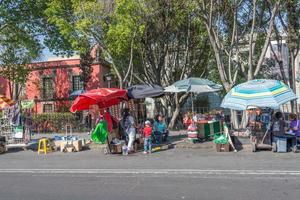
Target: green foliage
(126,25)
(78,22)
(86,67)
(19,43)
(53,122)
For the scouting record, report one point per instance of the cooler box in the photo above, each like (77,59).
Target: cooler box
(223,147)
(192,134)
(281,145)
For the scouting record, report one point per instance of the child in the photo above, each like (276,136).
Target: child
(147,134)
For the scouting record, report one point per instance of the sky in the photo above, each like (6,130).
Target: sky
(46,54)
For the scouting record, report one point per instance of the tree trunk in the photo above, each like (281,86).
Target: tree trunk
(16,91)
(178,103)
(245,118)
(292,80)
(10,87)
(174,116)
(234,119)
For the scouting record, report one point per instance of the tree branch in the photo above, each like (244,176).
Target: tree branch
(267,41)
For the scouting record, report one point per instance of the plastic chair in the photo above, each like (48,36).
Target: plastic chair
(44,146)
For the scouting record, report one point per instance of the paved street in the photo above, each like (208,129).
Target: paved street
(171,174)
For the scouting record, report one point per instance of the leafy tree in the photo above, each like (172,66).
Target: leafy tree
(19,41)
(166,40)
(144,41)
(239,32)
(81,24)
(287,31)
(86,62)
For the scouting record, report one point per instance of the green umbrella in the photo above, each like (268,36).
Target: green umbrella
(193,85)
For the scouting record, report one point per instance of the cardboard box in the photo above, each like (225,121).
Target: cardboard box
(57,144)
(78,145)
(116,148)
(62,145)
(223,147)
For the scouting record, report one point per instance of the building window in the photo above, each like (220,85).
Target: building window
(47,108)
(48,88)
(77,83)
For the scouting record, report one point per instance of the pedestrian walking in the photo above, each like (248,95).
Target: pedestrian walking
(128,126)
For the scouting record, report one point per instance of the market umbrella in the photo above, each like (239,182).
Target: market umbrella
(193,85)
(259,93)
(144,91)
(5,102)
(76,93)
(103,97)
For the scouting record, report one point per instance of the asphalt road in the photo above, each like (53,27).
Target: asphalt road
(172,174)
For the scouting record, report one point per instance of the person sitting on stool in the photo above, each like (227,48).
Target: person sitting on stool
(160,129)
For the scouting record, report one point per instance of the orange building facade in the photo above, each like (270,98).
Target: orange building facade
(50,83)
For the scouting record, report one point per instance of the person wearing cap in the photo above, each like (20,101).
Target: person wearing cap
(147,137)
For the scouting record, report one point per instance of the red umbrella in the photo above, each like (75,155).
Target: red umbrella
(103,97)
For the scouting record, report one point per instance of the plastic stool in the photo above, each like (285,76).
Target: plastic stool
(44,146)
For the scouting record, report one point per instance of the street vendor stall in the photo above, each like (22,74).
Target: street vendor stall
(200,127)
(138,94)
(193,85)
(259,93)
(15,123)
(103,98)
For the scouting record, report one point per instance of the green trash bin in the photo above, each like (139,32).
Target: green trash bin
(217,127)
(207,130)
(203,130)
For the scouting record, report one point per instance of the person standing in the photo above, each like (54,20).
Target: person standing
(160,129)
(147,137)
(129,128)
(278,129)
(278,125)
(108,119)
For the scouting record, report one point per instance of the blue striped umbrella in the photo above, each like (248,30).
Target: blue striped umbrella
(259,93)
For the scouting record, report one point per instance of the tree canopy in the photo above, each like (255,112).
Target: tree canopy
(150,41)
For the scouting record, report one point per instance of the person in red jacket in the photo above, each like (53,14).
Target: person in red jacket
(108,119)
(147,140)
